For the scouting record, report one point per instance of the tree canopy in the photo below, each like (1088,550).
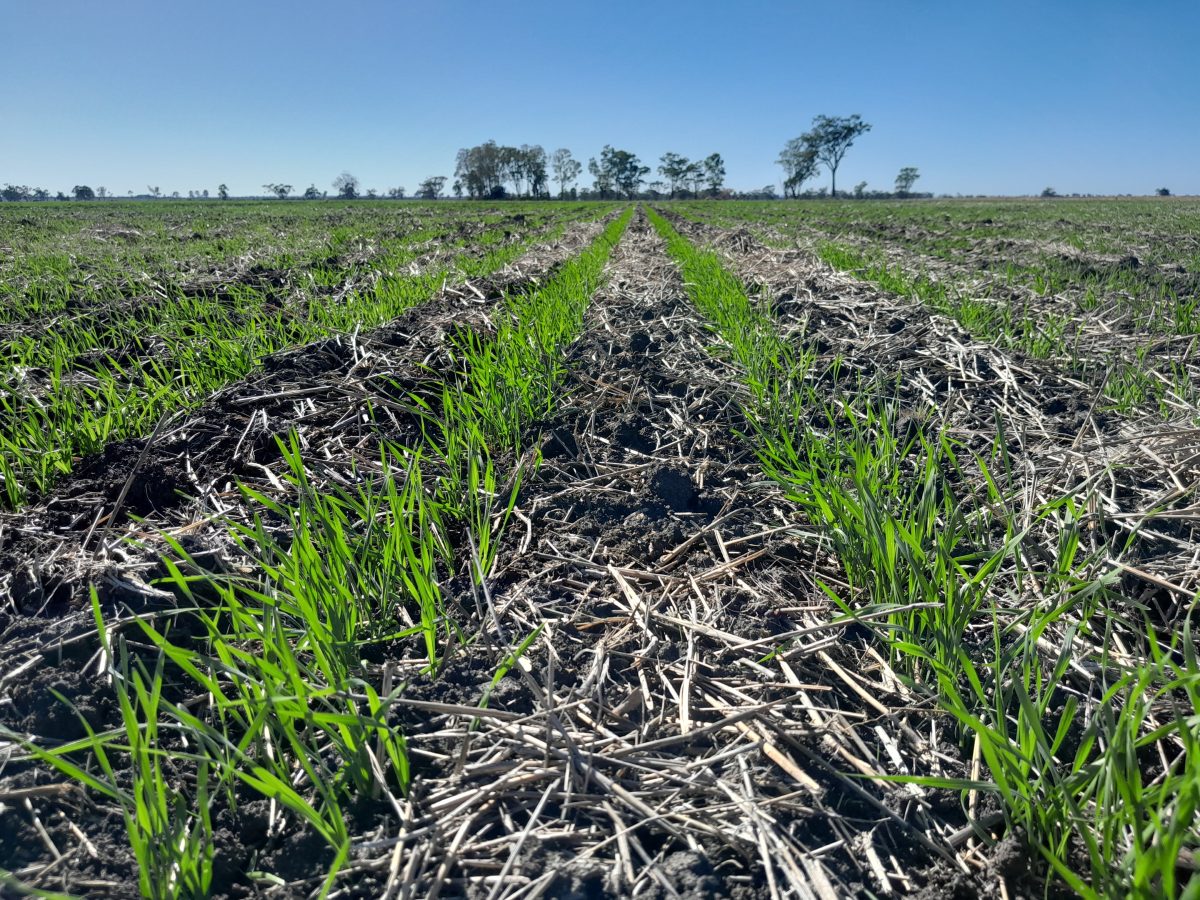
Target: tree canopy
(484,170)
(566,169)
(800,164)
(346,186)
(618,171)
(906,179)
(830,138)
(431,188)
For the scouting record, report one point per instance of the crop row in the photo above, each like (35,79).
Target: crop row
(984,621)
(291,712)
(70,389)
(1132,373)
(1126,324)
(1164,230)
(70,259)
(297,287)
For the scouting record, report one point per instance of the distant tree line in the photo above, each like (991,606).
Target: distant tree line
(684,177)
(491,171)
(486,171)
(14,193)
(825,143)
(905,180)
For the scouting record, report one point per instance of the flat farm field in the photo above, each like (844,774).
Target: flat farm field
(791,549)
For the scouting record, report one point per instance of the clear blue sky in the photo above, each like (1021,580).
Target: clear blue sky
(982,96)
